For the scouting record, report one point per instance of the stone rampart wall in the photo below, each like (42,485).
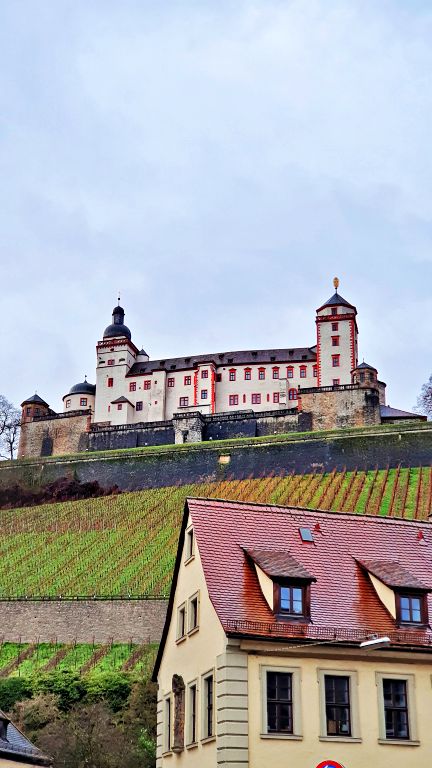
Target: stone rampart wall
(84,621)
(54,436)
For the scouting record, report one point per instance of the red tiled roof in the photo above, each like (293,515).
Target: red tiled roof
(342,597)
(279,564)
(393,574)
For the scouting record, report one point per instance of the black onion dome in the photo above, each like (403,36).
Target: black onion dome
(117,327)
(84,388)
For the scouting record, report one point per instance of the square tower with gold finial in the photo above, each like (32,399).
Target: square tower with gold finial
(337,346)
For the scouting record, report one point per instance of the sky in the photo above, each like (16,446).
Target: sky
(218,163)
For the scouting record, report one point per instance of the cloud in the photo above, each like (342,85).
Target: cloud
(219,163)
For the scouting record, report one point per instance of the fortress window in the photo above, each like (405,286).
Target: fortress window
(68,405)
(315,371)
(256,398)
(335,341)
(335,361)
(111,362)
(139,405)
(218,377)
(248,374)
(275,372)
(335,326)
(204,374)
(37,411)
(110,382)
(184,402)
(28,409)
(303,371)
(171,382)
(292,394)
(233,399)
(275,397)
(119,406)
(232,374)
(132,386)
(83,401)
(336,382)
(333,311)
(290,373)
(204,394)
(261,374)
(244,398)
(147,384)
(187,381)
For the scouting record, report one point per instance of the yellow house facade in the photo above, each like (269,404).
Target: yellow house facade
(262,661)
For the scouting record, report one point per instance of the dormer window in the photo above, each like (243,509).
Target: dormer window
(291,600)
(411,608)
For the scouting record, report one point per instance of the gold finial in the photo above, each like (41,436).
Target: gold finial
(336,283)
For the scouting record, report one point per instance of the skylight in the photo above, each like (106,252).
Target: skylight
(306,534)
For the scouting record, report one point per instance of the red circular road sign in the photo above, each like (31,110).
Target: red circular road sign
(329,764)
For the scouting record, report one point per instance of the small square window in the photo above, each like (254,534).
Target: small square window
(83,402)
(335,326)
(68,405)
(171,381)
(256,398)
(204,374)
(292,394)
(334,311)
(139,405)
(187,381)
(119,406)
(233,399)
(111,362)
(132,386)
(204,394)
(411,608)
(336,382)
(335,361)
(147,384)
(335,341)
(292,601)
(28,409)
(184,402)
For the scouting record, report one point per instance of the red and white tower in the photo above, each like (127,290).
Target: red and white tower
(337,349)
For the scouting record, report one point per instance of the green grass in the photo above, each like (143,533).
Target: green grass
(125,545)
(140,659)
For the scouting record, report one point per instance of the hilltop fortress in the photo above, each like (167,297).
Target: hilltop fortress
(137,401)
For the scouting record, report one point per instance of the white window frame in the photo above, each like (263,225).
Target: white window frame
(354,704)
(297,733)
(179,637)
(189,544)
(409,678)
(167,724)
(190,629)
(204,735)
(188,718)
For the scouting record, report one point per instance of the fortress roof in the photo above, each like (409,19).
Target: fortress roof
(34,400)
(243,357)
(337,300)
(83,388)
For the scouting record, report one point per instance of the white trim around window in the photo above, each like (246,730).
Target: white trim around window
(353,704)
(167,724)
(192,714)
(189,544)
(413,740)
(181,631)
(206,678)
(295,672)
(193,613)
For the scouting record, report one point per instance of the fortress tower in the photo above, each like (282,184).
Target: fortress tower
(337,346)
(116,354)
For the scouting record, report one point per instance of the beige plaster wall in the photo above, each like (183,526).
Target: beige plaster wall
(309,750)
(190,658)
(385,594)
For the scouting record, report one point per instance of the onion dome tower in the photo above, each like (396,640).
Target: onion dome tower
(117,327)
(337,344)
(80,397)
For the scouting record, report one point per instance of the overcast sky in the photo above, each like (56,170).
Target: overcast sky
(219,163)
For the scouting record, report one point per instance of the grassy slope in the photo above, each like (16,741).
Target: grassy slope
(125,545)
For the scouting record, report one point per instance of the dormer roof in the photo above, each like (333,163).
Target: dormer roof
(279,564)
(394,575)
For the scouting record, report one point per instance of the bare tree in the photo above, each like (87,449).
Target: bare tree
(10,418)
(424,400)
